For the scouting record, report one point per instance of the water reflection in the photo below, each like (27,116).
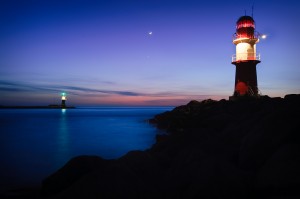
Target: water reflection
(63,111)
(63,138)
(35,143)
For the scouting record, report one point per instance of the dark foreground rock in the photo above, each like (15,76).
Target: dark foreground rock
(248,148)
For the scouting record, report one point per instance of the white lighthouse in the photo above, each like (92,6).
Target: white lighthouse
(246,57)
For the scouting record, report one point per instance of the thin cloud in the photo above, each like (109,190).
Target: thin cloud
(82,89)
(8,89)
(23,87)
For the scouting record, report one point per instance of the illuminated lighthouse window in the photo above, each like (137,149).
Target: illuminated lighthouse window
(245,24)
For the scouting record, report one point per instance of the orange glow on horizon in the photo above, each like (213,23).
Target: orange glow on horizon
(143,100)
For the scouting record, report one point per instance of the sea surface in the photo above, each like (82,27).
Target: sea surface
(36,142)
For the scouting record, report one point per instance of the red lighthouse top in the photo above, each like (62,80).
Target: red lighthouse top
(245,28)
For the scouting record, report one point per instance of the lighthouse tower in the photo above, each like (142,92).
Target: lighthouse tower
(63,100)
(246,58)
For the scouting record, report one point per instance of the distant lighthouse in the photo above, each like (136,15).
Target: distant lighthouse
(63,99)
(245,38)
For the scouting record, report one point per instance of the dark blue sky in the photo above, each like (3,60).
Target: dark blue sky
(101,52)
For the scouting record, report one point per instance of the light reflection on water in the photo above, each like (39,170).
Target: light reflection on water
(63,139)
(37,142)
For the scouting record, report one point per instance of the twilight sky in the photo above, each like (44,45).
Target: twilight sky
(101,52)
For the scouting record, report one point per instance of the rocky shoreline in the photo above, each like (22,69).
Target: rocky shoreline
(249,148)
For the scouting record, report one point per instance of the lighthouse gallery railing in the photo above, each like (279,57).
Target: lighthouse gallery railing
(245,56)
(255,35)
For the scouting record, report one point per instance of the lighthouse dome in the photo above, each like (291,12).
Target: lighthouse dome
(245,22)
(245,27)
(243,18)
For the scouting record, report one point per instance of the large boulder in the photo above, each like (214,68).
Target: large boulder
(280,175)
(73,171)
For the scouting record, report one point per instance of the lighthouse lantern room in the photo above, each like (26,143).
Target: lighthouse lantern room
(245,38)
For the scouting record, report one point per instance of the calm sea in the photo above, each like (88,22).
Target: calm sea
(36,142)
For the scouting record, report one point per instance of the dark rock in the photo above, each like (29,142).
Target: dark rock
(280,174)
(246,148)
(110,182)
(292,97)
(74,170)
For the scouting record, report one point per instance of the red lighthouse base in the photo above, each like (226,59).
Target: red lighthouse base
(245,78)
